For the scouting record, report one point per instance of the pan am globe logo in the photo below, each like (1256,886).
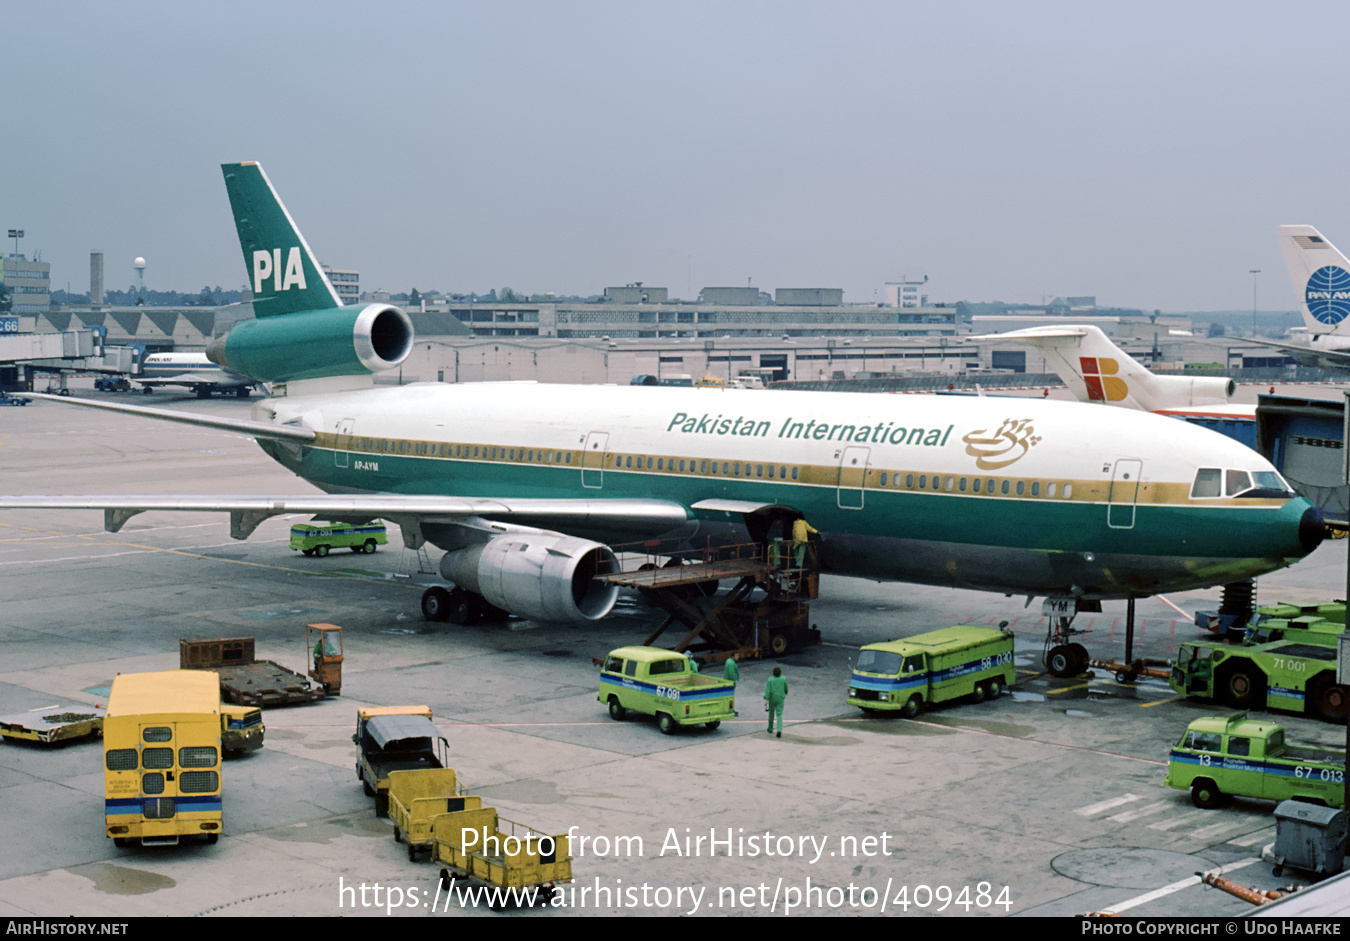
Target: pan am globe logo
(1327,294)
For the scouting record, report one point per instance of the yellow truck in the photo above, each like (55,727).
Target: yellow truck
(478,846)
(665,684)
(241,729)
(395,738)
(161,758)
(416,797)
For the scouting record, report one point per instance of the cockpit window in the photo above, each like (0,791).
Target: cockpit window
(1208,481)
(1236,482)
(1211,482)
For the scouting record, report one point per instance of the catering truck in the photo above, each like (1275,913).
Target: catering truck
(665,684)
(902,675)
(1238,756)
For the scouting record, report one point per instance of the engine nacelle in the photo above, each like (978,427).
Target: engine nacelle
(537,575)
(1198,390)
(313,344)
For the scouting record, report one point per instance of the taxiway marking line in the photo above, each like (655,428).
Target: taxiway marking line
(1174,887)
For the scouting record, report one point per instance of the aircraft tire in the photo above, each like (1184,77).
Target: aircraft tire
(1061,662)
(436,604)
(1081,657)
(464,607)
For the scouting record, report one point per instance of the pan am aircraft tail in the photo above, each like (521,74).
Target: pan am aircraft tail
(1321,278)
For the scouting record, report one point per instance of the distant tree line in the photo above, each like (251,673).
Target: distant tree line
(206,297)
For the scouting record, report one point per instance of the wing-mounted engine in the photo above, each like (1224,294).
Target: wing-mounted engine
(544,576)
(313,344)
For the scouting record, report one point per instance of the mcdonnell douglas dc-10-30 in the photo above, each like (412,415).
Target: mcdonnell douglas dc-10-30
(527,486)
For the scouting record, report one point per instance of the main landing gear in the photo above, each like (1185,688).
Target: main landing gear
(459,606)
(1065,658)
(1061,657)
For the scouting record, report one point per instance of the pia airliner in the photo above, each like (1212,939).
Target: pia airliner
(528,487)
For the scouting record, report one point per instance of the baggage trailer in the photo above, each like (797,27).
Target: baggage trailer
(415,797)
(479,846)
(52,724)
(245,680)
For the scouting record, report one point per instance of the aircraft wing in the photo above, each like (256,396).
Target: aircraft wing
(635,518)
(254,429)
(640,517)
(1309,356)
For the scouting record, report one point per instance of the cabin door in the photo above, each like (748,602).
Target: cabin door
(1124,492)
(343,443)
(593,460)
(852,476)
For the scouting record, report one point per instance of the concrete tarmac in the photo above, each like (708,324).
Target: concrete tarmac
(1047,801)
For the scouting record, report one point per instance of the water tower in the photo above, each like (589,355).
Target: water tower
(139,264)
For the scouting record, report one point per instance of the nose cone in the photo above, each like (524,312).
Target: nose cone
(1312,529)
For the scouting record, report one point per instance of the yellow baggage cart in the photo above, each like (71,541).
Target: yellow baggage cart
(477,845)
(415,797)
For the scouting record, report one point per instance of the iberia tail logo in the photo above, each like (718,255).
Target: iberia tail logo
(1099,372)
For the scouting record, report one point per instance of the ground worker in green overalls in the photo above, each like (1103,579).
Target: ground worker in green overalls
(775,691)
(730,671)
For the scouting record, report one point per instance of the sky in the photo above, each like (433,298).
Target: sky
(1141,152)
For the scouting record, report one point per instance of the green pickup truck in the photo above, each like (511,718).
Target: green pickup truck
(665,684)
(1220,757)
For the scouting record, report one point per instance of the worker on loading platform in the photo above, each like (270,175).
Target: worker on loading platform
(801,535)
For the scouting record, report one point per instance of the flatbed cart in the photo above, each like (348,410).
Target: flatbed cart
(417,797)
(477,845)
(52,724)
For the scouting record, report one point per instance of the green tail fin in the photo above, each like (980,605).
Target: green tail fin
(283,273)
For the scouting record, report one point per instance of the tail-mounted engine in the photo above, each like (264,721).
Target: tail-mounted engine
(314,344)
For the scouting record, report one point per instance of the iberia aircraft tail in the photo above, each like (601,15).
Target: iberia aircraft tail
(1321,275)
(1096,370)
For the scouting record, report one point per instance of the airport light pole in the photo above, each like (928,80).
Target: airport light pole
(1254,272)
(16,234)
